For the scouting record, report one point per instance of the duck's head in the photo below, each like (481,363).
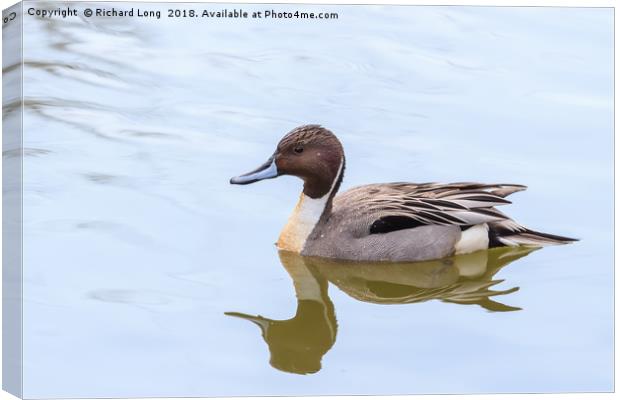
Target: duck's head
(309,152)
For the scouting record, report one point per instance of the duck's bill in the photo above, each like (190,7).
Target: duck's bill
(268,170)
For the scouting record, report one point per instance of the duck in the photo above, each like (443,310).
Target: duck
(391,222)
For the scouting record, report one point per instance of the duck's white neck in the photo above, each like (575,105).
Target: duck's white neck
(304,218)
(301,223)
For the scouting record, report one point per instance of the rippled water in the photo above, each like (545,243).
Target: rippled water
(147,274)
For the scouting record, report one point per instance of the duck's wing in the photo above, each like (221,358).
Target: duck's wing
(394,206)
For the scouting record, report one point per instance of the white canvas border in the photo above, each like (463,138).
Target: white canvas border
(504,3)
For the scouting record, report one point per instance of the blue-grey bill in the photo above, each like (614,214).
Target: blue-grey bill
(268,170)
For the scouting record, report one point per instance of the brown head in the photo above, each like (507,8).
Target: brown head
(309,152)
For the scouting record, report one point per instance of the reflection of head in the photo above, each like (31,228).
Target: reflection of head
(298,344)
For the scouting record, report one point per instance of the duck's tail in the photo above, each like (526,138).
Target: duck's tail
(509,233)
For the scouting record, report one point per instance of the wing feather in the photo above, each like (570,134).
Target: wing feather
(427,204)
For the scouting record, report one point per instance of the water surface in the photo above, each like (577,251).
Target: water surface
(136,246)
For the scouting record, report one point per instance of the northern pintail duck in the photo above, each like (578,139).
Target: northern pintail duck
(386,221)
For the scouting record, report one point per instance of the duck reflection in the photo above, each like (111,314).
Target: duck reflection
(298,344)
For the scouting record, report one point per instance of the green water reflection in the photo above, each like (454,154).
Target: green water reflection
(298,344)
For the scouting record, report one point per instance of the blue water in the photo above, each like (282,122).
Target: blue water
(135,245)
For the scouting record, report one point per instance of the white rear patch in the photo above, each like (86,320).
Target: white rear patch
(473,239)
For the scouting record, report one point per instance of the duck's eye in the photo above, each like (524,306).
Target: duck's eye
(298,149)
